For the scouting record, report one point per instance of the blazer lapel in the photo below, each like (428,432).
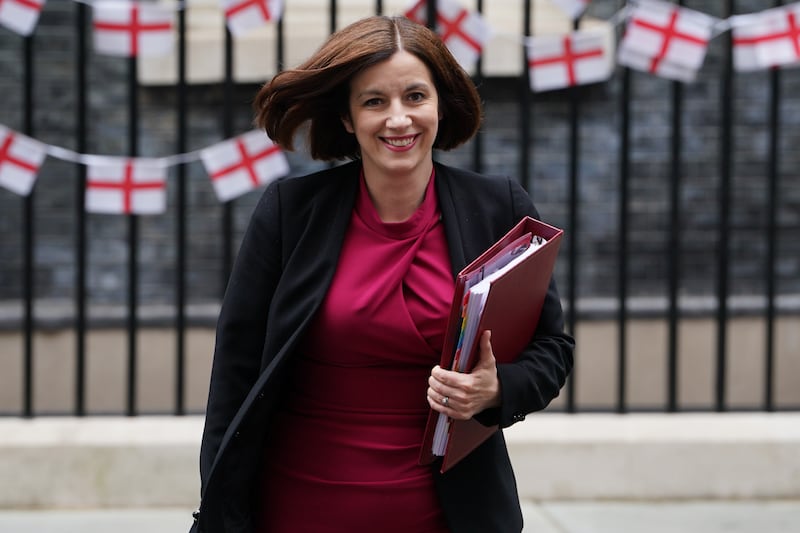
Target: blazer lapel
(450,218)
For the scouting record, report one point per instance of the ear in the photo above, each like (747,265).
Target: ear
(348,124)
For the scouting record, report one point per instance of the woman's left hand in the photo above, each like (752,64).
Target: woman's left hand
(460,395)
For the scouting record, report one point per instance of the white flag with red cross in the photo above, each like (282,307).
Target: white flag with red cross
(20,16)
(245,15)
(767,39)
(130,29)
(465,33)
(558,61)
(119,185)
(20,159)
(239,165)
(666,40)
(572,8)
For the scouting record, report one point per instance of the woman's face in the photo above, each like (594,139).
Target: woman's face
(394,114)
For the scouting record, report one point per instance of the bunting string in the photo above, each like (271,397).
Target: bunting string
(660,37)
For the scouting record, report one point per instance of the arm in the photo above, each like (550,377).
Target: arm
(242,325)
(504,393)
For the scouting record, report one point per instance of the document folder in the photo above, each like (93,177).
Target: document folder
(513,297)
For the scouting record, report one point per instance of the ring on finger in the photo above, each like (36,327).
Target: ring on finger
(445,401)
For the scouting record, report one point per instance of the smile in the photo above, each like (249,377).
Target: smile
(400,142)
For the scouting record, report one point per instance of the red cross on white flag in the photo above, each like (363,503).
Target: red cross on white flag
(20,16)
(20,159)
(119,185)
(131,29)
(572,8)
(245,15)
(241,164)
(464,32)
(557,61)
(667,40)
(767,39)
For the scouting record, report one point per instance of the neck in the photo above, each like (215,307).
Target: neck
(397,198)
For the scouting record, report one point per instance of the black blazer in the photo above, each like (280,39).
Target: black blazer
(282,272)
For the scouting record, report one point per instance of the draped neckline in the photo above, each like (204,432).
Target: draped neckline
(416,224)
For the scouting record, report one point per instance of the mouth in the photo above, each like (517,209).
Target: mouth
(400,143)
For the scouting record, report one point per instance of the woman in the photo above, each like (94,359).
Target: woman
(333,320)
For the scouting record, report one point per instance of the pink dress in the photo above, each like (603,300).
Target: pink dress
(347,439)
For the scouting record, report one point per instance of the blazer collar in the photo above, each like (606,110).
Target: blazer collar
(445,181)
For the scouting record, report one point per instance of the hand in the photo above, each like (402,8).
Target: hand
(467,394)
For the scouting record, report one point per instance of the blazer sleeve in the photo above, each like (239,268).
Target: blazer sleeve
(242,324)
(538,374)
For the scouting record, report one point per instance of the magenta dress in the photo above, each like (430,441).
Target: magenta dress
(343,450)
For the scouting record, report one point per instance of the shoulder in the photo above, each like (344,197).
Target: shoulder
(483,194)
(320,181)
(296,194)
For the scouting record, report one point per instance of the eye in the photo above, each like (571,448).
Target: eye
(372,102)
(416,96)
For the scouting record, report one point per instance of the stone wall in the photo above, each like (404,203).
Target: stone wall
(597,236)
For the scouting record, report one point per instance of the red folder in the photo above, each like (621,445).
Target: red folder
(511,312)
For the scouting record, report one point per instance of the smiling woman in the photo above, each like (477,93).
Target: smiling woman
(334,318)
(394,115)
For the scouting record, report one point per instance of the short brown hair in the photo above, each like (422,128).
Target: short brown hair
(317,91)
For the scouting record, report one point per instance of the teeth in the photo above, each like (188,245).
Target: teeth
(400,142)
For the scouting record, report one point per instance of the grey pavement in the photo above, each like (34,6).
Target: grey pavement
(546,517)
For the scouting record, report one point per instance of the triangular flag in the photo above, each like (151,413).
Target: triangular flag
(767,39)
(130,29)
(665,39)
(557,61)
(20,16)
(20,159)
(119,185)
(239,165)
(464,32)
(245,15)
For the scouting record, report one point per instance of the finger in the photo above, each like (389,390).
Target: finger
(443,404)
(486,353)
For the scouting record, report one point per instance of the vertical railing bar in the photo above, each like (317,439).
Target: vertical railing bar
(673,250)
(430,15)
(133,238)
(280,50)
(80,211)
(773,175)
(180,226)
(726,111)
(573,219)
(333,16)
(227,131)
(624,233)
(772,230)
(379,7)
(525,106)
(477,148)
(28,237)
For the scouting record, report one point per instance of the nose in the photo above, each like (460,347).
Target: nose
(398,118)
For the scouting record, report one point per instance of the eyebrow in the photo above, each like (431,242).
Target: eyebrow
(410,87)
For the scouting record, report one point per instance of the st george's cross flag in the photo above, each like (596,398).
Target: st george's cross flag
(119,185)
(20,16)
(666,40)
(572,8)
(129,29)
(20,159)
(463,32)
(558,61)
(245,15)
(767,39)
(239,165)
